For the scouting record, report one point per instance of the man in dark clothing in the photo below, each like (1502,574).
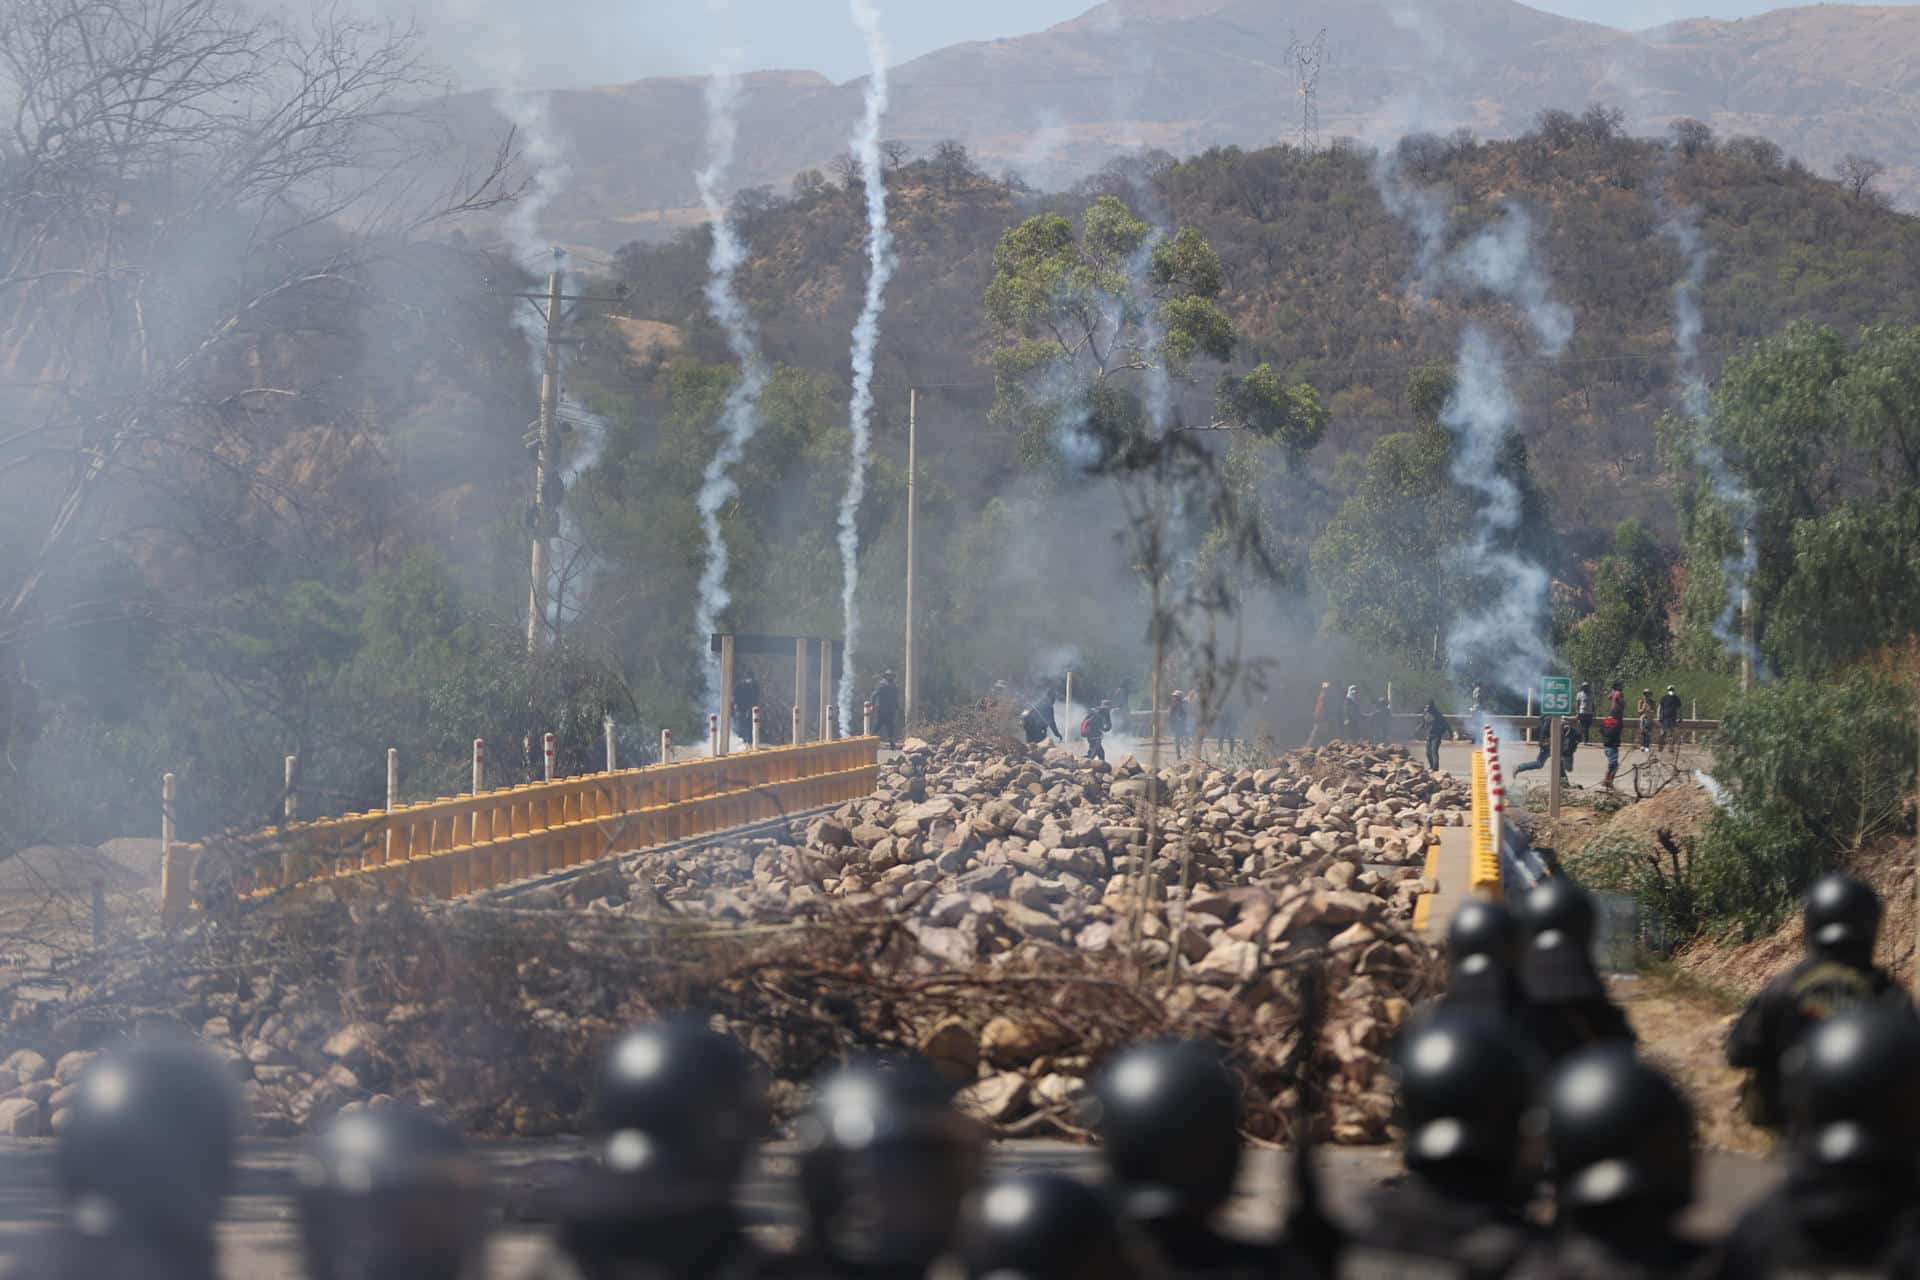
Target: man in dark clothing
(1382,721)
(1849,1204)
(1569,743)
(886,709)
(1350,715)
(1669,716)
(1464,1085)
(1180,721)
(1433,727)
(1617,701)
(1583,709)
(1038,722)
(1841,922)
(1557,970)
(746,696)
(1097,724)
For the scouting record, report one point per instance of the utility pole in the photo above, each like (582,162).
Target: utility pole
(544,513)
(1746,615)
(913,506)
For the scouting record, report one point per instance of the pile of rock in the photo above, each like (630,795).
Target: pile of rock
(1006,913)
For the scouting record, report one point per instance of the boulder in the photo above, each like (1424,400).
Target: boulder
(1010,1042)
(995,1099)
(22,1118)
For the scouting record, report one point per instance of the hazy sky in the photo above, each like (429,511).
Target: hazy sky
(630,39)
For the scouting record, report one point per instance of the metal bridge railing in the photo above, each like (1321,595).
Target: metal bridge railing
(458,845)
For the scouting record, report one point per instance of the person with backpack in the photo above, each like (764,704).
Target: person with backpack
(1094,727)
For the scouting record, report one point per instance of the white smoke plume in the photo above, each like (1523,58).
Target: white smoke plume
(1506,639)
(545,154)
(1501,260)
(739,416)
(1737,569)
(1421,208)
(866,333)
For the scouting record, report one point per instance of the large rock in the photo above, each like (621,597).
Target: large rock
(27,1066)
(996,1099)
(1015,1042)
(22,1118)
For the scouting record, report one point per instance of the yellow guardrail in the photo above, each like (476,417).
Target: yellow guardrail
(458,845)
(1486,858)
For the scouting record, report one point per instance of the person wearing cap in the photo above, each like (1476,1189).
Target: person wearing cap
(1094,727)
(1841,922)
(1852,1193)
(1620,1144)
(886,709)
(1463,1085)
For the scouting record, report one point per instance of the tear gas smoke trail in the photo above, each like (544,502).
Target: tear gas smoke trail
(1506,638)
(545,154)
(739,417)
(1737,569)
(866,333)
(1424,212)
(1715,792)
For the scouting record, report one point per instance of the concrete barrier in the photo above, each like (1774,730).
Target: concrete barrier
(457,845)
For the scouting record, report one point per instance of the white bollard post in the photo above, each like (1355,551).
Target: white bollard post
(713,734)
(1072,724)
(290,795)
(666,746)
(795,739)
(606,727)
(866,719)
(479,765)
(547,744)
(756,728)
(393,792)
(166,813)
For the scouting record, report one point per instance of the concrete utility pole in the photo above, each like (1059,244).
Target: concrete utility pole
(1746,618)
(544,515)
(913,507)
(1553,767)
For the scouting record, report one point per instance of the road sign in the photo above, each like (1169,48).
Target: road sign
(1556,695)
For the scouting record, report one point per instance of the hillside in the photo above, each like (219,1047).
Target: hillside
(1317,274)
(1185,75)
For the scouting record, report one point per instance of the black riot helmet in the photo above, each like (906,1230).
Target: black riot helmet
(1045,1226)
(1464,1084)
(1619,1133)
(885,1165)
(1842,919)
(1482,931)
(148,1150)
(1559,913)
(679,1101)
(391,1195)
(1849,1088)
(1168,1115)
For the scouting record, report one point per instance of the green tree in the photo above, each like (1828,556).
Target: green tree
(1626,634)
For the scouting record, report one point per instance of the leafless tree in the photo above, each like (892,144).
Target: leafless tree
(1691,136)
(185,188)
(1857,173)
(848,171)
(896,153)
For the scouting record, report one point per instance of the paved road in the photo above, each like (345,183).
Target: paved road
(259,1242)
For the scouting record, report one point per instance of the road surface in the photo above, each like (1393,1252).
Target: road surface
(259,1238)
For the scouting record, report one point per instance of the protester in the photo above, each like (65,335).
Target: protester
(1610,744)
(1583,710)
(1648,708)
(886,709)
(1433,728)
(1669,718)
(1319,715)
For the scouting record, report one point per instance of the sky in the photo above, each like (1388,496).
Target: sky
(632,39)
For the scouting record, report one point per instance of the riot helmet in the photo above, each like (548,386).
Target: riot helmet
(1619,1134)
(1168,1115)
(1045,1226)
(1842,919)
(681,1101)
(391,1195)
(1849,1089)
(1464,1085)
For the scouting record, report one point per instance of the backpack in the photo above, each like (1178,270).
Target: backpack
(1089,726)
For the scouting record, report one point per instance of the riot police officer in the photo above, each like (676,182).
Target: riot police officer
(1168,1118)
(675,1113)
(144,1164)
(1464,1085)
(1485,944)
(1620,1143)
(1852,1195)
(391,1195)
(1045,1226)
(1841,921)
(886,1164)
(1571,1009)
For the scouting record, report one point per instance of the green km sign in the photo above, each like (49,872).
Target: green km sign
(1556,695)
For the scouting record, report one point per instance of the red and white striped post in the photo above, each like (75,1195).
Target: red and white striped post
(1496,791)
(666,746)
(547,751)
(756,728)
(479,765)
(866,719)
(713,733)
